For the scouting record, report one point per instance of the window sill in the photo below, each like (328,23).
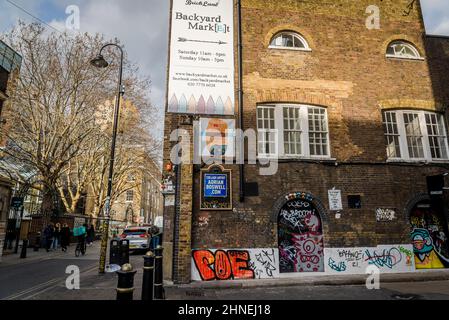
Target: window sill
(292,49)
(417,161)
(403,58)
(299,159)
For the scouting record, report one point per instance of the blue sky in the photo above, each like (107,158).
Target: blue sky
(142,26)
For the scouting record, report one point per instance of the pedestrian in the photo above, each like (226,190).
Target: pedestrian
(65,237)
(91,235)
(49,236)
(81,233)
(57,236)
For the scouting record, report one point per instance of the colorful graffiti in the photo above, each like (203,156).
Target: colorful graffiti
(388,258)
(300,233)
(426,257)
(429,238)
(215,264)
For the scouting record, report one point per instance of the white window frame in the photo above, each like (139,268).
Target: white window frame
(126,196)
(407,44)
(295,35)
(304,125)
(403,144)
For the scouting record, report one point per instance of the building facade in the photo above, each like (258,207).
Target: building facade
(356,113)
(10,62)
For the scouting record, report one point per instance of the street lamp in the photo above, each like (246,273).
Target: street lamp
(100,62)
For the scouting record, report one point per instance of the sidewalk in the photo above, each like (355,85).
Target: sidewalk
(42,254)
(317,280)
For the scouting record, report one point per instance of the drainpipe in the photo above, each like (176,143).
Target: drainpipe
(240,98)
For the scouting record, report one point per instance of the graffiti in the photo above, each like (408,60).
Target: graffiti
(309,249)
(408,255)
(203,221)
(300,237)
(425,255)
(337,267)
(385,215)
(293,218)
(267,260)
(429,238)
(209,265)
(387,258)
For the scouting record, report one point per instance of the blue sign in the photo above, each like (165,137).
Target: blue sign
(215,185)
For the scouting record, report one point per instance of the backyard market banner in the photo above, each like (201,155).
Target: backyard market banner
(201,78)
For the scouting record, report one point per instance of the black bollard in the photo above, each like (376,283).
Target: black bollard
(148,277)
(158,274)
(37,243)
(125,286)
(23,253)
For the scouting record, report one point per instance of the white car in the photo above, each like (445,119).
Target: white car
(139,238)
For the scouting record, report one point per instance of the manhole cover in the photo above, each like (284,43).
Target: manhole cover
(405,297)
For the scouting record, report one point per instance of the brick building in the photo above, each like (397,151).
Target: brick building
(361,113)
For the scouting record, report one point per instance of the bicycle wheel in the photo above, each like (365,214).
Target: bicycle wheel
(77,251)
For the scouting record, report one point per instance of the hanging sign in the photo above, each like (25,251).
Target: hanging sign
(216,190)
(201,76)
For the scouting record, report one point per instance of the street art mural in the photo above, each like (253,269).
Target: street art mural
(388,258)
(300,237)
(429,237)
(214,264)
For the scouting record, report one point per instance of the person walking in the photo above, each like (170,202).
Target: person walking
(49,236)
(65,237)
(57,236)
(91,235)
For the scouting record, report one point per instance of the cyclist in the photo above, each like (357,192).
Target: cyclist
(81,233)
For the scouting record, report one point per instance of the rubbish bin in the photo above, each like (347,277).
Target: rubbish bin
(124,251)
(115,252)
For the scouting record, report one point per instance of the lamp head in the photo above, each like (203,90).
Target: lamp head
(99,62)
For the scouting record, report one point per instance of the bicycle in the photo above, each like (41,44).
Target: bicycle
(79,250)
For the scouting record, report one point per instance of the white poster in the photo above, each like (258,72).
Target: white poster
(335,203)
(201,78)
(217,138)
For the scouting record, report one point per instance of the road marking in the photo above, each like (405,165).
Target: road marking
(41,288)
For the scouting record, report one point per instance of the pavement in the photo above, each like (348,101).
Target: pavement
(42,276)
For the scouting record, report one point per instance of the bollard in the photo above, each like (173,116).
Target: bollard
(23,253)
(125,286)
(148,277)
(158,275)
(37,243)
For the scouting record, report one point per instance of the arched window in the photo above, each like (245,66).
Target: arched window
(289,40)
(403,50)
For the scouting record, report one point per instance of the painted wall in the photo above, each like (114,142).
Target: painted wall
(238,264)
(388,258)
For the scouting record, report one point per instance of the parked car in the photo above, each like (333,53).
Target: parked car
(139,238)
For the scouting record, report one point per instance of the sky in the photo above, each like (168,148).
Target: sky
(142,26)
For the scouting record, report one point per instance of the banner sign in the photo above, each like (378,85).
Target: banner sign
(201,77)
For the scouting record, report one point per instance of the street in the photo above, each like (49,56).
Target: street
(42,276)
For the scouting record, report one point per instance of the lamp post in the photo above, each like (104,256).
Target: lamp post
(100,62)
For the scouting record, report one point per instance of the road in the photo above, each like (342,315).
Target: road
(28,278)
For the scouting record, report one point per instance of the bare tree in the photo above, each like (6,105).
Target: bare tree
(54,126)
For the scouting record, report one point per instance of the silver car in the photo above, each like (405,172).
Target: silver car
(139,238)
